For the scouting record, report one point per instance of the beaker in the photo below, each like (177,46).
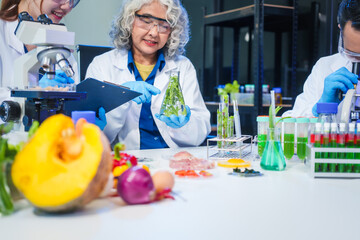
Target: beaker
(262,124)
(289,137)
(302,131)
(273,156)
(173,102)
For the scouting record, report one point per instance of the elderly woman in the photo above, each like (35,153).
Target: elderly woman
(150,38)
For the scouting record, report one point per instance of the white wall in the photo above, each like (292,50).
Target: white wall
(91,21)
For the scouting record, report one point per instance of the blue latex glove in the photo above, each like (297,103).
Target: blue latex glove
(60,78)
(342,80)
(101,120)
(175,121)
(146,89)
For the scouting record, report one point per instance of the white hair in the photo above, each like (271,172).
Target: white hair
(176,16)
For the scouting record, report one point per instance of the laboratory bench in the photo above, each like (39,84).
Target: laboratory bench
(290,204)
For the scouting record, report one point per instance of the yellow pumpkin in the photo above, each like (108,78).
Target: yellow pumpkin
(63,167)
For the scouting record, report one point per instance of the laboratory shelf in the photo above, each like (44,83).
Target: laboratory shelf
(258,18)
(244,16)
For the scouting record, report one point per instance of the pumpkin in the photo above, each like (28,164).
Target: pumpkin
(63,167)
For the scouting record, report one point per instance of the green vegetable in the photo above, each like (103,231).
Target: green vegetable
(7,155)
(173,102)
(229,88)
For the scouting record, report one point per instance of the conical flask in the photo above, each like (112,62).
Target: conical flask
(173,102)
(273,156)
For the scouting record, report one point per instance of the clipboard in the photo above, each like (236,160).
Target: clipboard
(99,94)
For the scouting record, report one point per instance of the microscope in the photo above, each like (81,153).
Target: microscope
(350,111)
(33,102)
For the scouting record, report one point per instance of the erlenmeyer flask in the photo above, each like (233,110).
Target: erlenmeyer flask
(173,102)
(273,156)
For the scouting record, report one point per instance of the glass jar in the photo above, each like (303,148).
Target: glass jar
(302,128)
(327,112)
(278,96)
(262,125)
(289,137)
(273,156)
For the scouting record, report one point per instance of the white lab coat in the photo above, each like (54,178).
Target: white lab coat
(123,121)
(10,49)
(314,85)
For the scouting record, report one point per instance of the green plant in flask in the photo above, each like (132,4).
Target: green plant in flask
(173,102)
(273,155)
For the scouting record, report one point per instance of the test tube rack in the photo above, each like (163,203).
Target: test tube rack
(311,161)
(232,147)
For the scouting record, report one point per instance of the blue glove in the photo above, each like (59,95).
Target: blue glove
(146,89)
(342,80)
(175,121)
(101,120)
(59,79)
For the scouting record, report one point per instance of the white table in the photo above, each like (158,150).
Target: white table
(279,205)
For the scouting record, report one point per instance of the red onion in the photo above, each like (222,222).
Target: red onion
(135,186)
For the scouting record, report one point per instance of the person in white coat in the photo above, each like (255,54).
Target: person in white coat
(12,48)
(150,37)
(333,73)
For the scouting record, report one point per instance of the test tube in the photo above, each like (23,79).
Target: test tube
(313,121)
(357,142)
(333,144)
(289,137)
(325,144)
(302,136)
(263,124)
(317,143)
(341,144)
(350,144)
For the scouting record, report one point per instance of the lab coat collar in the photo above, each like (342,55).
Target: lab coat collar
(121,61)
(11,38)
(340,62)
(160,61)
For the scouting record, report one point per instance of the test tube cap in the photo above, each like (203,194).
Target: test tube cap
(333,127)
(302,120)
(327,108)
(289,120)
(351,127)
(342,127)
(262,118)
(313,120)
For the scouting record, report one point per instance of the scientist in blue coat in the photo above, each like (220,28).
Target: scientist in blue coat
(150,38)
(332,74)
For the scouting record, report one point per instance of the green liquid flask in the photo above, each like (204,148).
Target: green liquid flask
(273,156)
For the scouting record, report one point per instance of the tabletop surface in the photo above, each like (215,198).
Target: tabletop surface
(278,205)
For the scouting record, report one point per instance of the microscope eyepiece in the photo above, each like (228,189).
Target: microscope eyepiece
(25,16)
(43,18)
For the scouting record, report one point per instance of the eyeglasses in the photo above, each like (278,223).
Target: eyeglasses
(352,56)
(147,22)
(72,3)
